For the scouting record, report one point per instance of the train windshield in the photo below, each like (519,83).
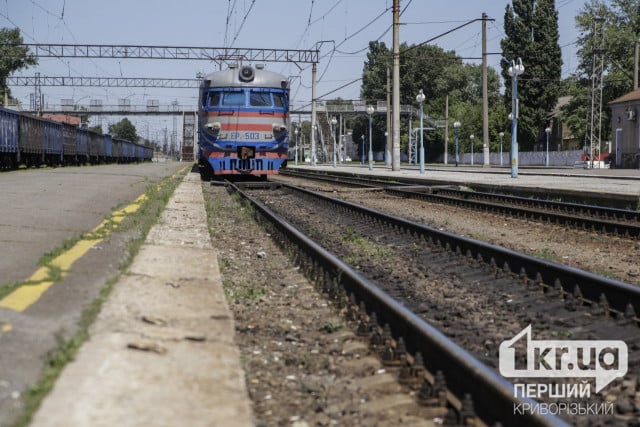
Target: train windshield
(280,100)
(233,99)
(256,97)
(259,98)
(214,99)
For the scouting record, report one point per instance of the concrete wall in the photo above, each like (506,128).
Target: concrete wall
(526,158)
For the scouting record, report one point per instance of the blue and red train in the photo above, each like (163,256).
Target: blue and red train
(34,141)
(243,122)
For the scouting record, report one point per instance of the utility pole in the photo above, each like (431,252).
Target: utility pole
(635,65)
(596,88)
(446,130)
(388,135)
(396,85)
(485,96)
(314,70)
(6,92)
(37,98)
(174,132)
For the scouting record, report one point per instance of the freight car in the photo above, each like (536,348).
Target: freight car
(243,122)
(34,141)
(8,138)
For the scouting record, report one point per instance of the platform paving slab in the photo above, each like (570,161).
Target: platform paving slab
(161,351)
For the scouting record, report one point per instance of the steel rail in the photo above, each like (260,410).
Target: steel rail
(597,211)
(596,225)
(557,212)
(341,179)
(493,396)
(619,297)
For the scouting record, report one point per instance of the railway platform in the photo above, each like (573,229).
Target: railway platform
(588,184)
(161,351)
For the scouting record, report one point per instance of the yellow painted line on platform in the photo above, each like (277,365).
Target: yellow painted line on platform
(40,275)
(66,260)
(36,285)
(24,296)
(4,327)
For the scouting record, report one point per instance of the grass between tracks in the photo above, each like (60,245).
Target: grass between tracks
(218,211)
(140,222)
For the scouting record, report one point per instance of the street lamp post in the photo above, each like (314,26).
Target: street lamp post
(547,131)
(314,130)
(362,152)
(343,144)
(514,71)
(333,133)
(370,111)
(296,134)
(501,135)
(456,126)
(472,137)
(420,98)
(384,153)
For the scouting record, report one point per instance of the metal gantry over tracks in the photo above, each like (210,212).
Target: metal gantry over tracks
(170,52)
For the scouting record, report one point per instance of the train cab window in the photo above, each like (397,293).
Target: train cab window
(260,99)
(279,100)
(233,99)
(214,99)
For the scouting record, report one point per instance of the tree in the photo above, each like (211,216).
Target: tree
(621,31)
(438,73)
(532,33)
(96,129)
(124,129)
(12,57)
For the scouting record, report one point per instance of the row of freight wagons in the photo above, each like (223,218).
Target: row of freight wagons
(34,141)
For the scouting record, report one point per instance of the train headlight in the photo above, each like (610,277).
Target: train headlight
(279,128)
(214,127)
(247,73)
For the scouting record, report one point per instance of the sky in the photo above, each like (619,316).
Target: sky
(348,25)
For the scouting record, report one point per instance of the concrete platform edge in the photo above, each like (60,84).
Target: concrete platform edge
(162,349)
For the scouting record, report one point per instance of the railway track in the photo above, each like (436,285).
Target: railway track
(604,220)
(525,290)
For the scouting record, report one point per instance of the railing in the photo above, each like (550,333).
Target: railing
(356,107)
(119,109)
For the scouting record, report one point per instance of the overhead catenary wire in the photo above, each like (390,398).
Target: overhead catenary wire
(318,19)
(230,9)
(334,49)
(244,19)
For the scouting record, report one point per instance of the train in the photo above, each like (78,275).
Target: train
(243,122)
(36,141)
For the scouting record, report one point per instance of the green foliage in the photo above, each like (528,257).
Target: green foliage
(96,129)
(438,73)
(12,57)
(531,27)
(621,30)
(124,129)
(330,328)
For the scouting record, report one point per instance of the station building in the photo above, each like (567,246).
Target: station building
(625,128)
